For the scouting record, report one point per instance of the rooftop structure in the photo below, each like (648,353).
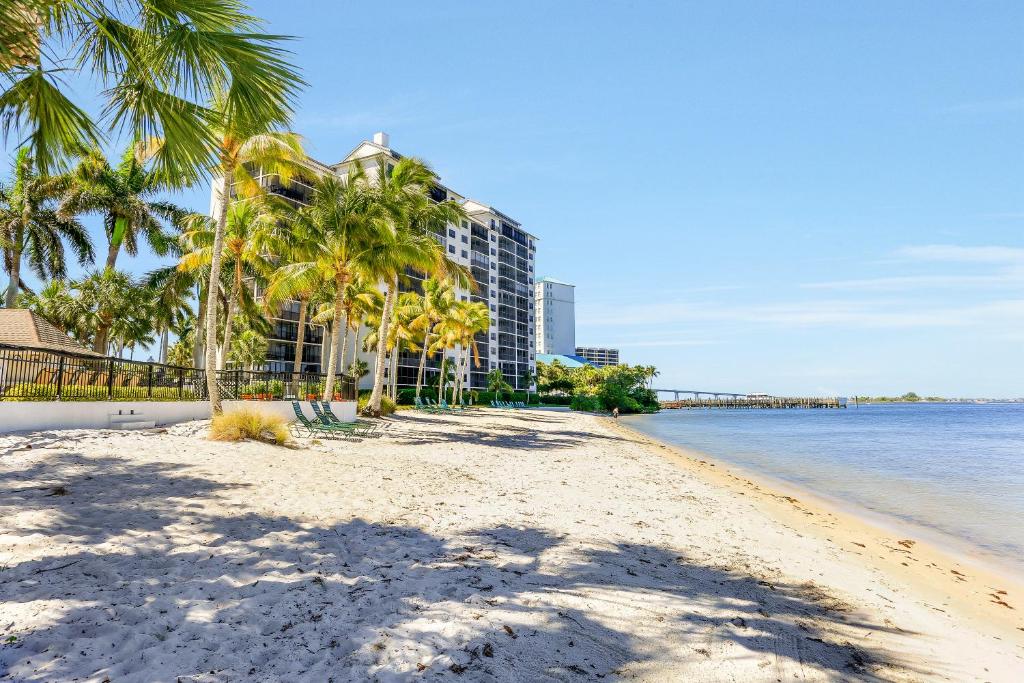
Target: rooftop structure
(22,327)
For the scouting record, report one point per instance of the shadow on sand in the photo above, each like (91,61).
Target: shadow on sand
(147,584)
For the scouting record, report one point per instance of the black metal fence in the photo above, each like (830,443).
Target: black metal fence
(28,374)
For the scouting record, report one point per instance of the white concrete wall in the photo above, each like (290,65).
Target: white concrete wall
(16,416)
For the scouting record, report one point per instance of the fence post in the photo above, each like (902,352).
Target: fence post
(150,391)
(60,378)
(110,379)
(181,383)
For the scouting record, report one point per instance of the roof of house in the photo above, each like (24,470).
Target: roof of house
(22,327)
(567,361)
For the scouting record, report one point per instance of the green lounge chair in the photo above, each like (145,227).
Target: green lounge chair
(361,427)
(444,406)
(437,407)
(317,428)
(420,405)
(331,421)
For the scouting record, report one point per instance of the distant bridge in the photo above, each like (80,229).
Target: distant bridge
(698,394)
(727,399)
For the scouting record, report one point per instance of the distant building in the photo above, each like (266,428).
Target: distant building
(556,316)
(598,356)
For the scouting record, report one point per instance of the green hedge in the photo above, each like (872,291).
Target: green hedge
(48,392)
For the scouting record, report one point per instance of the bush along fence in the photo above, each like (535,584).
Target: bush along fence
(28,374)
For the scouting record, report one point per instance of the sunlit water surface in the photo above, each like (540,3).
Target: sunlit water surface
(956,470)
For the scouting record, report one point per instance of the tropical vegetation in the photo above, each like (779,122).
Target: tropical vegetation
(626,387)
(200,91)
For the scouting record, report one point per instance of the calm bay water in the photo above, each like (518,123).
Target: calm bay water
(956,470)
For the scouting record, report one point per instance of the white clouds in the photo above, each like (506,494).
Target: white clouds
(958,254)
(1008,271)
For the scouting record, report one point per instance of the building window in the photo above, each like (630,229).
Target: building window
(494,279)
(493,336)
(465,224)
(494,309)
(451,233)
(493,267)
(451,249)
(465,239)
(494,252)
(464,254)
(493,293)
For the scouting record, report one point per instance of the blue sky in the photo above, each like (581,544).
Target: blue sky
(780,197)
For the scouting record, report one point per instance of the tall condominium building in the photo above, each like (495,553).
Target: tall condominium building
(498,251)
(598,356)
(556,316)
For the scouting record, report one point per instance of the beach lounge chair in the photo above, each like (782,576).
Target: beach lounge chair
(420,405)
(317,428)
(332,422)
(360,427)
(444,406)
(437,407)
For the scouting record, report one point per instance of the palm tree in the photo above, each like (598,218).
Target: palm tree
(249,349)
(438,297)
(30,227)
(528,378)
(402,193)
(496,382)
(171,290)
(124,195)
(468,319)
(245,145)
(157,65)
(249,238)
(349,225)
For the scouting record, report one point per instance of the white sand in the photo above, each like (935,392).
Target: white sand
(525,546)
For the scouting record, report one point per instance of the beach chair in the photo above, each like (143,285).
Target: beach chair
(420,405)
(360,427)
(444,406)
(437,407)
(334,423)
(317,428)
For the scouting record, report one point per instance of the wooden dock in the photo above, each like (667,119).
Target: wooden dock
(759,402)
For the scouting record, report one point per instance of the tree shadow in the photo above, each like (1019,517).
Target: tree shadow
(148,580)
(484,432)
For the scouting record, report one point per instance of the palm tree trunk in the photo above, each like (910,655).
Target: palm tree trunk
(344,347)
(112,251)
(211,298)
(394,371)
(229,322)
(165,335)
(423,364)
(373,407)
(332,364)
(200,330)
(300,340)
(440,379)
(12,289)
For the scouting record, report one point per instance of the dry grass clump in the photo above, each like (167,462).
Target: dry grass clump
(249,424)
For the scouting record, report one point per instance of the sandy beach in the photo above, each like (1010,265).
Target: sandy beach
(495,546)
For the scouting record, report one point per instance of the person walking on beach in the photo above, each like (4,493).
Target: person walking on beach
(615,412)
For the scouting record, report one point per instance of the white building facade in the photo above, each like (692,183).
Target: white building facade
(555,307)
(496,249)
(598,355)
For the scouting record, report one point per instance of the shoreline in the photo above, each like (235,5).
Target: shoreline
(940,541)
(964,582)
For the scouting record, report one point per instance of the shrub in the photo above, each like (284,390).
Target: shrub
(387,406)
(556,400)
(249,424)
(586,403)
(406,397)
(95,392)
